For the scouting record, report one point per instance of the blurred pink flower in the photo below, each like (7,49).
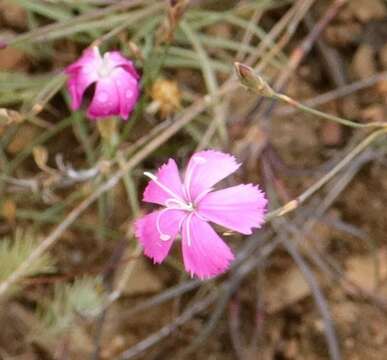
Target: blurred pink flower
(190,205)
(115,79)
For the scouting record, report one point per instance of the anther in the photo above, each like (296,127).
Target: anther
(164,237)
(150,175)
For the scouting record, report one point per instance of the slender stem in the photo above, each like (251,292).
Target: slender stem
(326,116)
(109,142)
(253,81)
(295,203)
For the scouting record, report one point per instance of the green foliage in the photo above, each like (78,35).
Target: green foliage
(14,252)
(84,298)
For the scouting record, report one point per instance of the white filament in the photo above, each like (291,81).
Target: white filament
(188,228)
(176,203)
(165,188)
(163,236)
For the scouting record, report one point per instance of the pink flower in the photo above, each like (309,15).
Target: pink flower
(116,79)
(190,205)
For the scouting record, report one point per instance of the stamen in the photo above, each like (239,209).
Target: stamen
(174,203)
(181,223)
(165,188)
(178,205)
(201,217)
(189,217)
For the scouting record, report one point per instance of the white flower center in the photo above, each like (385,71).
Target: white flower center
(175,202)
(106,67)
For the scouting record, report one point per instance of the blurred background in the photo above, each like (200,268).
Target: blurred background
(311,284)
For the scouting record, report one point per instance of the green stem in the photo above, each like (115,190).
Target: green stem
(295,203)
(323,115)
(109,144)
(253,81)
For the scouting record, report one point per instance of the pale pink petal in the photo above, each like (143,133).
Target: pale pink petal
(239,208)
(128,90)
(205,169)
(168,176)
(117,60)
(204,252)
(148,234)
(106,101)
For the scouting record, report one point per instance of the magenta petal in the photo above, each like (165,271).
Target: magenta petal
(117,60)
(239,208)
(82,74)
(204,252)
(148,234)
(91,60)
(128,90)
(105,101)
(205,169)
(168,175)
(116,81)
(77,84)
